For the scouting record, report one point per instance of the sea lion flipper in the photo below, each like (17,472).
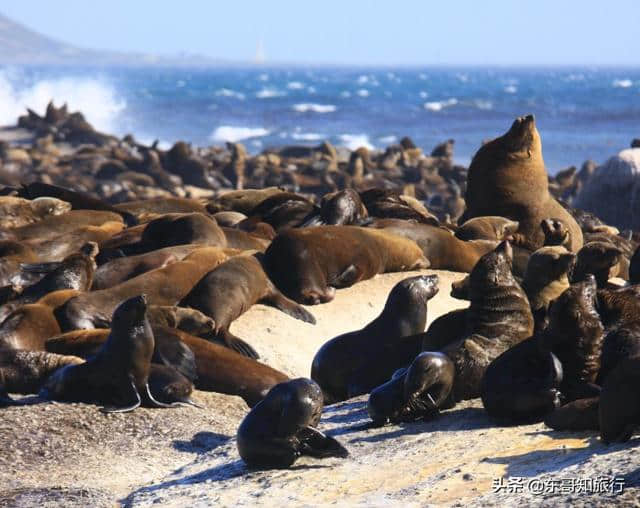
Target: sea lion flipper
(281,302)
(316,444)
(347,278)
(125,409)
(239,345)
(152,402)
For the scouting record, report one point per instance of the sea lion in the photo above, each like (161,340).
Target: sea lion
(443,250)
(389,204)
(620,343)
(523,383)
(597,258)
(498,318)
(281,427)
(73,272)
(28,327)
(147,209)
(418,391)
(507,177)
(16,212)
(122,269)
(238,239)
(619,406)
(555,232)
(575,335)
(243,201)
(308,264)
(545,279)
(56,249)
(217,368)
(230,289)
(56,225)
(618,307)
(355,362)
(26,371)
(180,229)
(12,255)
(338,208)
(228,219)
(487,228)
(119,373)
(163,286)
(581,414)
(78,200)
(283,210)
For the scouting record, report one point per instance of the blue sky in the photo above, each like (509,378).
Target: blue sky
(477,32)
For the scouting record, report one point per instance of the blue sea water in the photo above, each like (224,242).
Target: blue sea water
(582,113)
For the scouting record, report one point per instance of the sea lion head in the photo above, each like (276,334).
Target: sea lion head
(301,402)
(487,228)
(430,378)
(575,309)
(44,206)
(599,259)
(493,269)
(407,302)
(555,232)
(550,263)
(523,137)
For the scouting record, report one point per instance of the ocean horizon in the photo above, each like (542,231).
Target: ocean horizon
(582,112)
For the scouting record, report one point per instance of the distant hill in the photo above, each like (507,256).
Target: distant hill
(21,45)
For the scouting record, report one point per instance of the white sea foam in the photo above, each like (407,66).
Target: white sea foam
(269,93)
(483,104)
(226,92)
(440,105)
(315,108)
(363,92)
(363,79)
(355,141)
(295,85)
(235,134)
(386,140)
(511,88)
(307,136)
(622,83)
(96,99)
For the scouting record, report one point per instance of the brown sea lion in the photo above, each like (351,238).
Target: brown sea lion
(230,289)
(620,343)
(619,307)
(16,212)
(443,250)
(122,269)
(150,208)
(56,249)
(12,255)
(283,210)
(597,258)
(119,373)
(308,264)
(26,371)
(218,369)
(243,201)
(389,204)
(73,272)
(28,327)
(228,219)
(180,229)
(353,363)
(523,383)
(78,200)
(575,335)
(546,278)
(338,208)
(56,225)
(507,177)
(163,286)
(282,427)
(555,233)
(581,414)
(418,391)
(238,239)
(191,321)
(487,228)
(619,406)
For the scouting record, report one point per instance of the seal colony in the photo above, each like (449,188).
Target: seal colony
(124,293)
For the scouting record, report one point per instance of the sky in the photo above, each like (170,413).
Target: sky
(374,32)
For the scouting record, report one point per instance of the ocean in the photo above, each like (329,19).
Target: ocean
(582,113)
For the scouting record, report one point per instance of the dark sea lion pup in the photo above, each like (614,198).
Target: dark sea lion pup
(281,427)
(119,373)
(355,362)
(415,392)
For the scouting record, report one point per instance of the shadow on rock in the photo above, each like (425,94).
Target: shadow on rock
(470,418)
(201,442)
(538,462)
